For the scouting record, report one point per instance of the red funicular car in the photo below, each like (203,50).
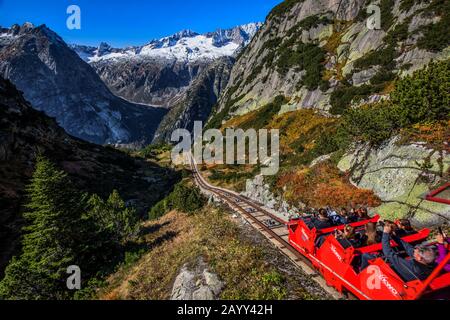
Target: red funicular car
(339,265)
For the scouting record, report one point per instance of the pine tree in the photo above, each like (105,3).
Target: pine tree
(52,237)
(424,96)
(114,218)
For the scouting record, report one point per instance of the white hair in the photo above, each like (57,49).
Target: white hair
(427,254)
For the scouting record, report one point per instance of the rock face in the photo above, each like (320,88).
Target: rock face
(26,132)
(197,102)
(162,70)
(257,190)
(184,73)
(322,55)
(400,175)
(152,80)
(55,80)
(199,284)
(364,76)
(265,70)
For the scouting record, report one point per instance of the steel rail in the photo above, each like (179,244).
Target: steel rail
(282,244)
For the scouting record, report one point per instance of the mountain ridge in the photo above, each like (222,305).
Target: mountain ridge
(175,72)
(183,45)
(55,80)
(321,55)
(351,103)
(26,133)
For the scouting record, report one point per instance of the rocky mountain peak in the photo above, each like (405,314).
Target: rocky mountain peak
(187,33)
(321,54)
(103,49)
(240,35)
(29,30)
(55,80)
(162,72)
(16,30)
(44,31)
(173,39)
(27,26)
(185,45)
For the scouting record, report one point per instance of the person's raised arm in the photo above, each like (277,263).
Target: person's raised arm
(404,246)
(388,252)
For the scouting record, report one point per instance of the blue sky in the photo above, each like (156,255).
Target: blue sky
(133,22)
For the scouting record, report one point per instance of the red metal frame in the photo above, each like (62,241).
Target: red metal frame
(432,195)
(300,234)
(335,264)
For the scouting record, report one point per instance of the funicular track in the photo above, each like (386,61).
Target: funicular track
(269,225)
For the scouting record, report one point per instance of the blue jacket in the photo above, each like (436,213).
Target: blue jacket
(319,224)
(407,269)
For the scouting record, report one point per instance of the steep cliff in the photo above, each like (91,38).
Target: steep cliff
(55,80)
(159,72)
(351,131)
(321,54)
(196,104)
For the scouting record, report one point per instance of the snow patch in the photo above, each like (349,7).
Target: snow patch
(185,45)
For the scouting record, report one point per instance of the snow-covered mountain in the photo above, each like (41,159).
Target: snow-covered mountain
(184,73)
(185,45)
(159,72)
(163,73)
(55,80)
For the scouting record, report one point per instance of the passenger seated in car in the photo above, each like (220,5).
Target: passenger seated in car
(422,261)
(404,228)
(350,216)
(371,236)
(348,237)
(443,246)
(320,222)
(336,218)
(344,217)
(307,214)
(362,214)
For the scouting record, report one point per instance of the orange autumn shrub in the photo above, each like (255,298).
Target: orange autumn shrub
(324,185)
(435,135)
(305,125)
(336,194)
